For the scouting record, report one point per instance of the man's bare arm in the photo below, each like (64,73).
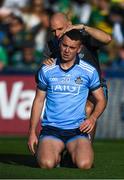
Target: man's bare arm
(97,34)
(37,108)
(89,123)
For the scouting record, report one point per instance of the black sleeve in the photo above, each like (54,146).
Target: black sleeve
(90,42)
(41,80)
(46,52)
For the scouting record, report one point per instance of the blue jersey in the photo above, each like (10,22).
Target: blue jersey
(66,93)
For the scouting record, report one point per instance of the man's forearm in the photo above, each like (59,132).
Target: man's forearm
(98,110)
(98,34)
(35,116)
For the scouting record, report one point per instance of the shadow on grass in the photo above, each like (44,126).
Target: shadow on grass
(19,159)
(30,161)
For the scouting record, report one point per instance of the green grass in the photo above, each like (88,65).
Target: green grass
(17,162)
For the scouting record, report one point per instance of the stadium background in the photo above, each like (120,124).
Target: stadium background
(17,82)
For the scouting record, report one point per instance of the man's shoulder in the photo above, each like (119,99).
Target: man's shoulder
(86,66)
(52,41)
(46,68)
(53,46)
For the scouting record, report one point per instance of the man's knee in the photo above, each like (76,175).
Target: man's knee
(46,163)
(84,164)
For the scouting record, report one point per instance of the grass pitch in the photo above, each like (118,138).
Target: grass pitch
(17,163)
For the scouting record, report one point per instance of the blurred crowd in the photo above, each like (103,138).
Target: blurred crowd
(24,29)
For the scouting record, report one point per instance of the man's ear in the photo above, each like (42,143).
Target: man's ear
(79,50)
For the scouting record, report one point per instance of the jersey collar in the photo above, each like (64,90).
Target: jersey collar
(77,60)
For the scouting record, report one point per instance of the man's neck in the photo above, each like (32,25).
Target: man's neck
(67,65)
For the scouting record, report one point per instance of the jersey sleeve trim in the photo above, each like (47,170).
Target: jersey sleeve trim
(97,87)
(41,80)
(41,87)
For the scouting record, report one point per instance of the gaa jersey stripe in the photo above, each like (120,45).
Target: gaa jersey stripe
(47,68)
(85,68)
(88,66)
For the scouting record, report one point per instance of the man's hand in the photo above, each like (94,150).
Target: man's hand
(48,61)
(32,142)
(88,125)
(78,26)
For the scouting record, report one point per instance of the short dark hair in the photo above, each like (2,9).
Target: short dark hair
(18,19)
(73,34)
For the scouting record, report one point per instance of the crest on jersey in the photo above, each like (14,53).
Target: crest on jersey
(78,80)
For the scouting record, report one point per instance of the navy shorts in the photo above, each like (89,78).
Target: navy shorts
(61,134)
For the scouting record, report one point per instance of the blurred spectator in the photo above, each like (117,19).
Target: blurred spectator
(3,58)
(66,7)
(83,10)
(6,16)
(28,59)
(32,14)
(118,62)
(99,17)
(32,24)
(36,19)
(104,57)
(15,37)
(43,31)
(117,20)
(14,5)
(5,19)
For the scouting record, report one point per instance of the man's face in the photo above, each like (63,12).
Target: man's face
(69,49)
(58,27)
(15,26)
